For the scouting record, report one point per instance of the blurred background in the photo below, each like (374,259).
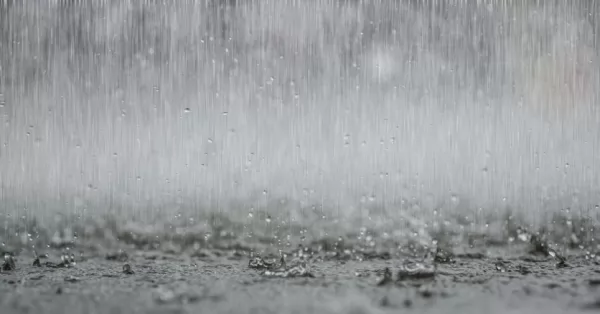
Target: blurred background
(331,113)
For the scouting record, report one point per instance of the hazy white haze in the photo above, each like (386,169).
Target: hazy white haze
(328,110)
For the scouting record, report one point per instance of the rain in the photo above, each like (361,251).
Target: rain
(290,133)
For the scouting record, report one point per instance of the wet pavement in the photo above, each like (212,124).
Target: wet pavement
(236,282)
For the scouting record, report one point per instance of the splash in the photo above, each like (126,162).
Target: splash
(388,121)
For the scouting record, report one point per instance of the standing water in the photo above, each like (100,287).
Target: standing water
(434,148)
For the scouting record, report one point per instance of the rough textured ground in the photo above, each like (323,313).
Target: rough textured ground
(163,283)
(217,268)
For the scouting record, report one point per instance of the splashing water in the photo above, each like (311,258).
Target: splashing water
(278,121)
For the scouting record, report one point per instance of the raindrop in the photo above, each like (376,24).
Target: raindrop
(500,267)
(186,110)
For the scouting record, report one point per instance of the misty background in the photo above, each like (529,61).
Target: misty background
(313,110)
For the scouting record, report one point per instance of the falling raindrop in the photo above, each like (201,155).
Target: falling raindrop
(473,122)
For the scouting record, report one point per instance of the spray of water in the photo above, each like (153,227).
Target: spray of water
(329,113)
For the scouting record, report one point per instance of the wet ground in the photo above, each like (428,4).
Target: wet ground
(232,281)
(222,266)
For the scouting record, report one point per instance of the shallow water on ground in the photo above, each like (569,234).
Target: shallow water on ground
(224,281)
(114,266)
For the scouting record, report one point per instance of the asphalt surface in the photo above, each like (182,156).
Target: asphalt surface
(230,281)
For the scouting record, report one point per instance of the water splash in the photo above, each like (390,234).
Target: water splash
(395,116)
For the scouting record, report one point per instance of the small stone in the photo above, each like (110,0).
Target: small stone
(9,262)
(127,270)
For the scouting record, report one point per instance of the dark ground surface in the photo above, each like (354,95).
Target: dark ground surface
(228,267)
(167,283)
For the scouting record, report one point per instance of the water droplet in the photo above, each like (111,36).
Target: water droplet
(500,267)
(210,140)
(186,110)
(268,219)
(524,236)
